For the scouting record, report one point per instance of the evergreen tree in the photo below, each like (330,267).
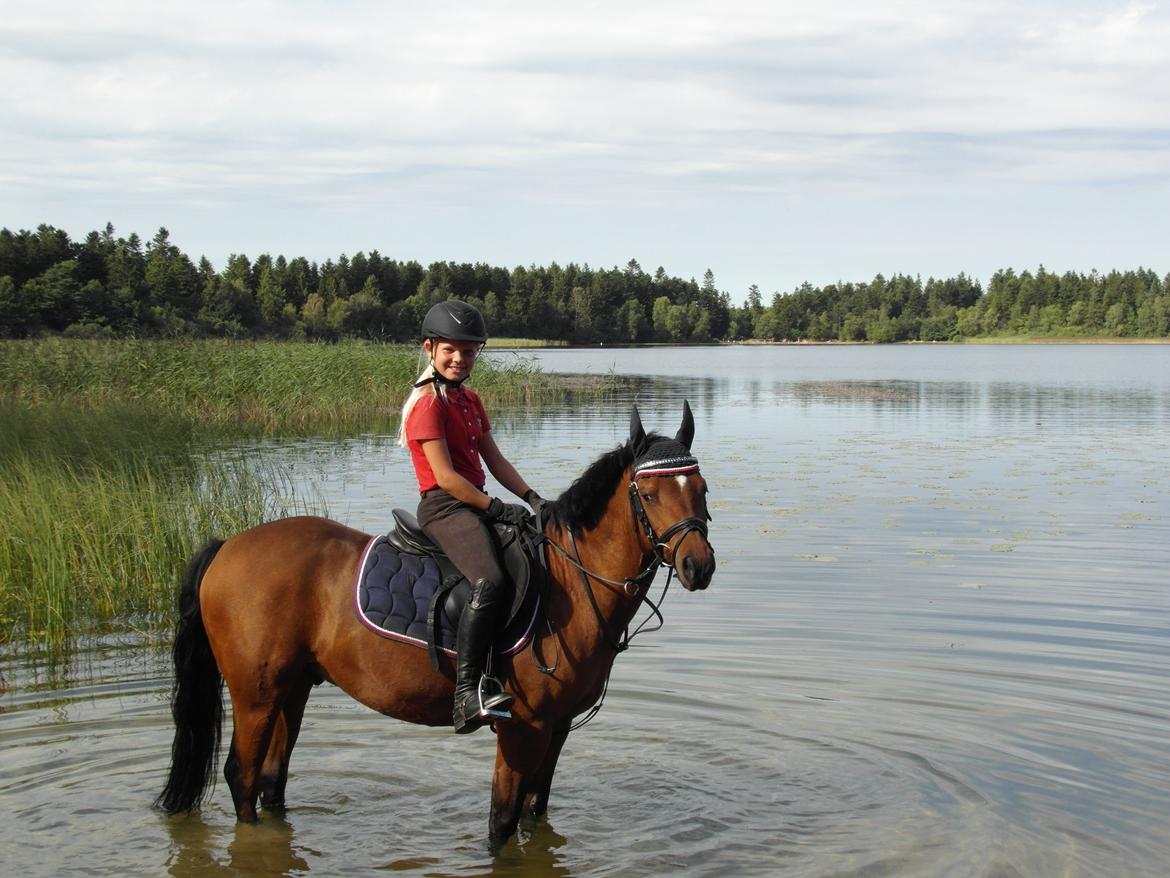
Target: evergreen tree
(14,318)
(270,299)
(107,284)
(52,300)
(172,281)
(755,302)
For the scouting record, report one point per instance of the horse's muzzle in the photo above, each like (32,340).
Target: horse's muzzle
(696,568)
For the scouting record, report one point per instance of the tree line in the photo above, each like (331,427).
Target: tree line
(112,286)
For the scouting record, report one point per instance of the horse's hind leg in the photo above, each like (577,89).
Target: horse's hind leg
(253,723)
(274,772)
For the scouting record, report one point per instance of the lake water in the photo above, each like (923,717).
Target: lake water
(937,644)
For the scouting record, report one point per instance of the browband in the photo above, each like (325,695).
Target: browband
(666,466)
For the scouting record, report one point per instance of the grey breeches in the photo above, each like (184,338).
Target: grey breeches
(463,533)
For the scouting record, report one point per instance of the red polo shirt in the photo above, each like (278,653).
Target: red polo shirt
(462,421)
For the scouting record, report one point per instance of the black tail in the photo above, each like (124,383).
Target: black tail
(196,700)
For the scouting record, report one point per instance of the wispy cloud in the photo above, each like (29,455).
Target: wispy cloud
(602,103)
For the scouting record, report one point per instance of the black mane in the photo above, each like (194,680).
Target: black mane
(583,503)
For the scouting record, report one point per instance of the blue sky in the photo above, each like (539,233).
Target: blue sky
(773,143)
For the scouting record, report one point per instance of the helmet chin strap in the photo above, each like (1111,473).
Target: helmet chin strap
(438,380)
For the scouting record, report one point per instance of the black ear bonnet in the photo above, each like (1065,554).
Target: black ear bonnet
(663,456)
(666,457)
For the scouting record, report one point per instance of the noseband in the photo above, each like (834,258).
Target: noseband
(659,544)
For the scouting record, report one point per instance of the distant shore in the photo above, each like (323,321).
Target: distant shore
(530,343)
(989,340)
(1103,339)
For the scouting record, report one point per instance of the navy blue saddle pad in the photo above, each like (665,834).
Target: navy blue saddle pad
(395,597)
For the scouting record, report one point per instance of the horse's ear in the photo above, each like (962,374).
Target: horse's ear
(637,433)
(686,433)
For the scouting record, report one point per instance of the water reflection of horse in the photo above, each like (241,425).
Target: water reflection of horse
(271,612)
(269,848)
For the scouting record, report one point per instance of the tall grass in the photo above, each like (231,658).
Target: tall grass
(85,433)
(100,508)
(505,342)
(84,546)
(268,387)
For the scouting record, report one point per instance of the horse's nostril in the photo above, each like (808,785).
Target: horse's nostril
(696,572)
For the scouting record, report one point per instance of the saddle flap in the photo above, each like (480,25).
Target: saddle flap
(517,555)
(517,566)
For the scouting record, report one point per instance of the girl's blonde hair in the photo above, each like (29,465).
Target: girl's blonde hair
(417,393)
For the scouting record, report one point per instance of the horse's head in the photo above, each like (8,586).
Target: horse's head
(669,497)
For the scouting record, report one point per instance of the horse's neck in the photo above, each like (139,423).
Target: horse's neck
(612,550)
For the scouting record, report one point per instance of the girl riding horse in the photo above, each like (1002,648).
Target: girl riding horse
(449,436)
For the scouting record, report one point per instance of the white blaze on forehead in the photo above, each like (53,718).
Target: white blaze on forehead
(682,481)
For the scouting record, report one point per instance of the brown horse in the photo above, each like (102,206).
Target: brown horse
(271,611)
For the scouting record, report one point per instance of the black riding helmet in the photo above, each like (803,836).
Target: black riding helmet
(455,321)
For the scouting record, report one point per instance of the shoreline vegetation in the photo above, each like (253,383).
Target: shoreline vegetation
(108,286)
(112,470)
(252,387)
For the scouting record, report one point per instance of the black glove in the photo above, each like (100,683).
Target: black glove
(509,513)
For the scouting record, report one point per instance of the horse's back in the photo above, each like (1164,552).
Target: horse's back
(278,600)
(273,580)
(306,527)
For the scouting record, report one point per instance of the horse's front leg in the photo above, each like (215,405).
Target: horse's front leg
(538,792)
(520,753)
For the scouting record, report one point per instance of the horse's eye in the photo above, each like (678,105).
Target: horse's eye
(649,498)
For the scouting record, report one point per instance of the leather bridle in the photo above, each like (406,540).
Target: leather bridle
(637,585)
(660,544)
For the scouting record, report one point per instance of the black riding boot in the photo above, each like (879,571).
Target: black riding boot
(477,699)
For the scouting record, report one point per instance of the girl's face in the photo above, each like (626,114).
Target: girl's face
(453,360)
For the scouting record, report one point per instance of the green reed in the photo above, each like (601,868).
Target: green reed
(101,506)
(269,387)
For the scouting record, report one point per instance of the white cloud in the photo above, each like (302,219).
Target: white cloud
(597,104)
(1128,36)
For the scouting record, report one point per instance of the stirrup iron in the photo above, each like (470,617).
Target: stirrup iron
(497,703)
